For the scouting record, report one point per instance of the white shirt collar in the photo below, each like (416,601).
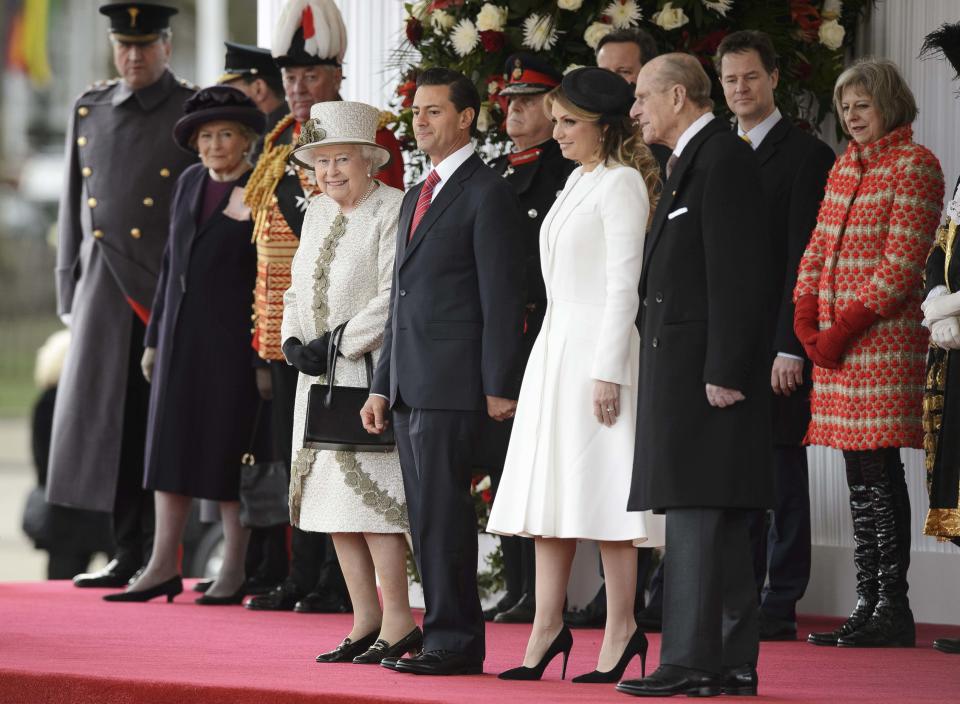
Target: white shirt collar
(446,168)
(691,132)
(760,131)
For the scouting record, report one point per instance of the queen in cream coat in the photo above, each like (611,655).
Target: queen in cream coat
(566,475)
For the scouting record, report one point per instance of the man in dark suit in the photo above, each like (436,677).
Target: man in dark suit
(452,349)
(794,166)
(537,171)
(703,426)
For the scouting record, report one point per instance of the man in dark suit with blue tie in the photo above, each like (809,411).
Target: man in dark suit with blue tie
(452,350)
(794,166)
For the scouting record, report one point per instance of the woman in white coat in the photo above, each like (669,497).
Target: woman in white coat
(570,458)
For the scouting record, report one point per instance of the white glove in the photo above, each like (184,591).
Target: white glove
(66,319)
(940,307)
(945,333)
(146,362)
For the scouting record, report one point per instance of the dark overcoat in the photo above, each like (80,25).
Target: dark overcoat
(794,166)
(203,396)
(707,302)
(121,167)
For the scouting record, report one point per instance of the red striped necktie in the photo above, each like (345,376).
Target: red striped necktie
(423,202)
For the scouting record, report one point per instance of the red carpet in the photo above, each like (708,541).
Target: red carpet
(62,644)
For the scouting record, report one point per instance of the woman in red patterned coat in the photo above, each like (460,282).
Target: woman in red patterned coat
(858,316)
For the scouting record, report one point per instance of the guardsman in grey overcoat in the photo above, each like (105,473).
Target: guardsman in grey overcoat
(121,168)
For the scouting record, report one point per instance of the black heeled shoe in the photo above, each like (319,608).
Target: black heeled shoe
(561,644)
(234,599)
(348,649)
(410,644)
(169,589)
(636,646)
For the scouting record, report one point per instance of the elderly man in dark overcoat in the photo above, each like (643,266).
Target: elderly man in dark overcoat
(703,447)
(121,167)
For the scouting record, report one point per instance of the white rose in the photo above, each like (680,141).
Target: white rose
(419,9)
(484,483)
(595,32)
(831,34)
(832,9)
(491,18)
(441,21)
(670,17)
(571,5)
(484,121)
(571,67)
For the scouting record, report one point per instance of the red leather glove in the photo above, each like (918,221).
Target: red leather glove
(833,343)
(805,319)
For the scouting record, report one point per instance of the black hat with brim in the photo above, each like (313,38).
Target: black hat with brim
(245,60)
(137,22)
(214,104)
(598,90)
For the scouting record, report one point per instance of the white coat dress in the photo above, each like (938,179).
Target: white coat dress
(566,475)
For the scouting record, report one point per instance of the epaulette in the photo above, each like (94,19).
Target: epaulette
(102,84)
(188,84)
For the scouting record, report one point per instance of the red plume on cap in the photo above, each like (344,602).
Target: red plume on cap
(308,30)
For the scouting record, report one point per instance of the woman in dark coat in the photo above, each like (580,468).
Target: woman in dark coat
(203,397)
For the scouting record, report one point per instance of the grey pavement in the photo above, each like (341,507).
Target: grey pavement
(18,559)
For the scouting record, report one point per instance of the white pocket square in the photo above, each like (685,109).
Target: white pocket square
(676,213)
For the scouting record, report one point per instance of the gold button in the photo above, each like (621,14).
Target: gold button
(83,112)
(98,233)
(92,202)
(86,171)
(165,173)
(82,141)
(148,201)
(135,233)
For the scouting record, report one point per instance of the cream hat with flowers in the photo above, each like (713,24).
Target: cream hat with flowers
(339,122)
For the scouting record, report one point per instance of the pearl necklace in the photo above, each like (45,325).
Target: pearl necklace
(370,189)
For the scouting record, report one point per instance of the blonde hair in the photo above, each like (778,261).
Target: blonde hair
(621,141)
(881,80)
(49,364)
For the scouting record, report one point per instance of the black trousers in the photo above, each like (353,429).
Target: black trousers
(133,513)
(436,450)
(781,540)
(710,612)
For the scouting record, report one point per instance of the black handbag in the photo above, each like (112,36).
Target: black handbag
(333,412)
(264,488)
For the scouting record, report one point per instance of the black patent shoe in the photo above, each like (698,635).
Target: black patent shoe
(637,645)
(521,612)
(348,649)
(323,603)
(115,575)
(889,627)
(670,680)
(389,663)
(947,645)
(563,643)
(203,585)
(234,599)
(740,681)
(283,598)
(169,589)
(861,614)
(505,604)
(410,644)
(440,662)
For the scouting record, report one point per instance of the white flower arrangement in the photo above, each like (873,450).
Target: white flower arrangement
(441,20)
(623,13)
(831,34)
(418,10)
(831,9)
(491,18)
(539,32)
(464,37)
(595,32)
(670,17)
(721,7)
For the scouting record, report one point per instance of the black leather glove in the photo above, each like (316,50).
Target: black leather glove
(303,358)
(319,348)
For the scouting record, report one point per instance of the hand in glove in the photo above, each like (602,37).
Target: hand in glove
(303,358)
(941,307)
(945,333)
(146,362)
(833,343)
(319,348)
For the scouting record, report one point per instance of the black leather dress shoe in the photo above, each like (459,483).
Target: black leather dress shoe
(772,629)
(506,602)
(521,612)
(650,619)
(256,586)
(440,662)
(389,663)
(947,645)
(114,576)
(283,598)
(234,599)
(323,603)
(740,681)
(669,680)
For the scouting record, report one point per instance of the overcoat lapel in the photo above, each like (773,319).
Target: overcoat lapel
(768,147)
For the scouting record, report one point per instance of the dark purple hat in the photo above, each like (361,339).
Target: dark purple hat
(213,104)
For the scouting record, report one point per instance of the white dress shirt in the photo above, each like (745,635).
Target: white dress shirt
(758,132)
(691,132)
(451,163)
